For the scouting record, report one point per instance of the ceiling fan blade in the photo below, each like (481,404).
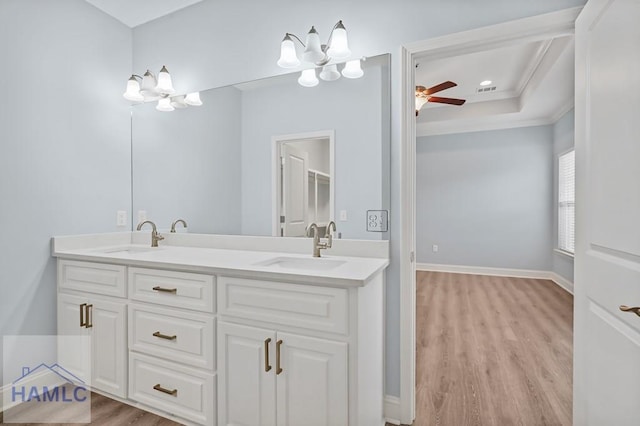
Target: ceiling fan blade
(439,87)
(450,101)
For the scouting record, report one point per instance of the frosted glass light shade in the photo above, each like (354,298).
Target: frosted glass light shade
(352,69)
(330,73)
(165,86)
(420,101)
(308,78)
(149,83)
(339,48)
(313,52)
(178,101)
(193,99)
(133,91)
(164,104)
(288,57)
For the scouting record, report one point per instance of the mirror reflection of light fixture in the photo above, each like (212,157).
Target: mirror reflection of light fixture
(149,88)
(308,78)
(337,48)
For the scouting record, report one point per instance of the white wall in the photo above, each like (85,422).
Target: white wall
(350,107)
(186,163)
(64,132)
(485,198)
(563,141)
(216,43)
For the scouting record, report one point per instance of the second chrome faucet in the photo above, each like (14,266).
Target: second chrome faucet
(155,236)
(313,231)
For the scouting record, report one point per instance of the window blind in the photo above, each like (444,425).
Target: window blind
(566,201)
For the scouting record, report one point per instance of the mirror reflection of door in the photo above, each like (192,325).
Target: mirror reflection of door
(305,184)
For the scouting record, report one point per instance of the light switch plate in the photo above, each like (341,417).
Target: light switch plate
(142,216)
(377,220)
(343,215)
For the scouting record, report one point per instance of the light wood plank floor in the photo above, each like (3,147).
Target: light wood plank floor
(492,351)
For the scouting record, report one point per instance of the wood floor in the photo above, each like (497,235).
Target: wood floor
(492,351)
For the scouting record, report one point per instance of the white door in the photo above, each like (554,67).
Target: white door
(108,330)
(295,190)
(71,322)
(607,261)
(313,383)
(246,377)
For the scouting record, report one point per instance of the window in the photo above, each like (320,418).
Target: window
(566,201)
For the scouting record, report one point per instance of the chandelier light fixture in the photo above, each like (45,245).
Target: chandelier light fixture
(148,88)
(323,56)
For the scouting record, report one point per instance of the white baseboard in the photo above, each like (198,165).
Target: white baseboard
(499,272)
(392,409)
(38,380)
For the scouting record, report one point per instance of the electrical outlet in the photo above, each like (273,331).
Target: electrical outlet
(121,218)
(142,216)
(435,248)
(343,215)
(377,220)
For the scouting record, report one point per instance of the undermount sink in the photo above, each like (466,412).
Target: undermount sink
(299,263)
(127,250)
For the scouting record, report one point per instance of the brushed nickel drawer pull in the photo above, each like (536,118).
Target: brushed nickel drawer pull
(278,367)
(164,336)
(165,290)
(89,316)
(83,320)
(267,367)
(634,309)
(159,388)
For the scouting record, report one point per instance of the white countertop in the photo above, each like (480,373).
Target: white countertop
(348,271)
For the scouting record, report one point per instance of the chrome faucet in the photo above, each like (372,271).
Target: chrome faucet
(312,231)
(155,236)
(173,225)
(328,235)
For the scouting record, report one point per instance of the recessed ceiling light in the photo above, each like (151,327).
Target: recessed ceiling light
(486,83)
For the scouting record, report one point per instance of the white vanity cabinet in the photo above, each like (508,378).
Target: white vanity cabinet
(298,354)
(101,318)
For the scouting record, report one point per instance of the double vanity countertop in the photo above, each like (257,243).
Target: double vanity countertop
(248,257)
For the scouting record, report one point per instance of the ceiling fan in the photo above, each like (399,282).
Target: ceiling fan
(423,95)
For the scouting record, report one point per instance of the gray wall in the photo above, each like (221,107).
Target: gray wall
(272,111)
(186,163)
(485,198)
(64,132)
(216,43)
(563,141)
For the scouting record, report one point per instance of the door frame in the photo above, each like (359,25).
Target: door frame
(276,150)
(529,29)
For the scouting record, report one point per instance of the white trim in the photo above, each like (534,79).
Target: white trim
(446,128)
(499,272)
(539,27)
(38,379)
(392,409)
(564,253)
(562,282)
(276,145)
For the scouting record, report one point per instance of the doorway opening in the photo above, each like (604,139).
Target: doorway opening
(303,182)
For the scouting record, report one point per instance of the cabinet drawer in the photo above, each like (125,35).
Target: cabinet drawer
(99,278)
(177,289)
(179,390)
(183,337)
(311,307)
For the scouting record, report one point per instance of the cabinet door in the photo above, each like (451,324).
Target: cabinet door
(109,346)
(247,391)
(312,387)
(73,355)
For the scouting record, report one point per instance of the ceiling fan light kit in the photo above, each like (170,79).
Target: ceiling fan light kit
(424,95)
(320,55)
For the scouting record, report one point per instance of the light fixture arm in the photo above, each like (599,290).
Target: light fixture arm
(296,37)
(324,47)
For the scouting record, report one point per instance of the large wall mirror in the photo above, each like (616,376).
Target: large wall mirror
(268,157)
